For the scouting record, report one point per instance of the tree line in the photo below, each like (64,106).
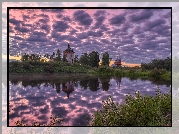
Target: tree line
(91,59)
(158,64)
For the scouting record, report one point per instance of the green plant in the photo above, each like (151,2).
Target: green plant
(137,110)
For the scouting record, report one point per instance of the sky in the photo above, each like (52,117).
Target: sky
(136,35)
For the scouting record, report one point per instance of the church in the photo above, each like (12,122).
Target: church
(69,54)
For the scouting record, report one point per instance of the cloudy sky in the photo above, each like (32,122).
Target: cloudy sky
(137,35)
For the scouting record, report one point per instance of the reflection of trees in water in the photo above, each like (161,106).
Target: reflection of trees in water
(158,81)
(132,78)
(84,83)
(105,83)
(15,82)
(32,83)
(46,84)
(57,85)
(93,84)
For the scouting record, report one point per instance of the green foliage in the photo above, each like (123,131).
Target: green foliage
(91,59)
(76,60)
(26,65)
(32,57)
(46,67)
(137,110)
(94,59)
(25,57)
(49,69)
(84,59)
(58,58)
(158,63)
(105,59)
(157,72)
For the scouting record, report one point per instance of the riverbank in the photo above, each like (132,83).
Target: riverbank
(62,68)
(132,72)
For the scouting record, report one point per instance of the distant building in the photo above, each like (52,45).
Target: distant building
(117,62)
(69,54)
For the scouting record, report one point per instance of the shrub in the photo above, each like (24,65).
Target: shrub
(26,65)
(136,111)
(132,71)
(14,64)
(49,69)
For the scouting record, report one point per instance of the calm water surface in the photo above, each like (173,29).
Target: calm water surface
(36,98)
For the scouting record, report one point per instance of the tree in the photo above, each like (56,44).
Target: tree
(25,57)
(84,59)
(47,56)
(53,55)
(158,64)
(32,57)
(58,54)
(76,60)
(105,59)
(37,57)
(94,59)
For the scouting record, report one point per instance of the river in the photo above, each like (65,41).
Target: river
(35,98)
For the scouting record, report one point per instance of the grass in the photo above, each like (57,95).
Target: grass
(137,110)
(64,67)
(131,72)
(46,67)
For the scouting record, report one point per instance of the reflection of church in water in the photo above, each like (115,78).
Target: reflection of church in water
(118,81)
(68,87)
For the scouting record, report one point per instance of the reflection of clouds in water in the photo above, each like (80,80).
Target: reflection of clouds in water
(38,103)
